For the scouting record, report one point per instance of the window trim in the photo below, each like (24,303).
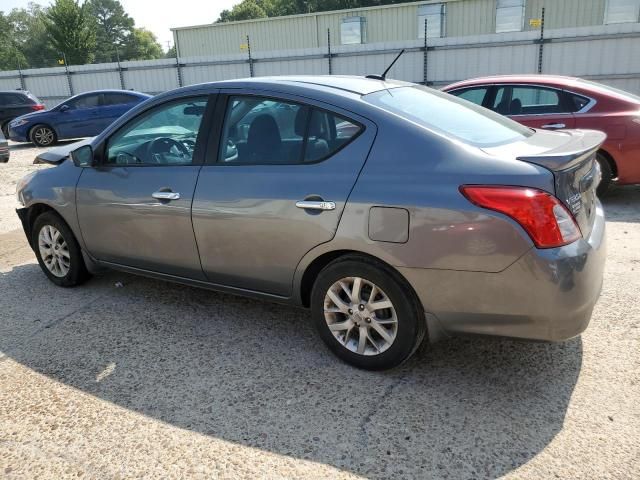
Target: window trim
(494,86)
(220,117)
(199,150)
(606,15)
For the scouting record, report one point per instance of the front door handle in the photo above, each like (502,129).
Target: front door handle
(554,126)
(316,205)
(166,195)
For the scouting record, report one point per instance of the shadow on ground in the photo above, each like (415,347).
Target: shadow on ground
(23,146)
(622,204)
(256,374)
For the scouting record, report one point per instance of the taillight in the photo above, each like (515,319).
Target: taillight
(544,218)
(37,106)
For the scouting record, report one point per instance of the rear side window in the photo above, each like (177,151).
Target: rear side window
(261,131)
(529,100)
(13,99)
(444,113)
(473,95)
(118,99)
(578,102)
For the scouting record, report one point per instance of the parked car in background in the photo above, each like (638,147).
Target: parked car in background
(391,210)
(84,115)
(14,103)
(4,149)
(555,102)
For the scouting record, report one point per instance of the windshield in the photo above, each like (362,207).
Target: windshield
(445,113)
(616,91)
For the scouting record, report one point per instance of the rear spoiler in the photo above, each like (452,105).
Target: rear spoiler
(582,144)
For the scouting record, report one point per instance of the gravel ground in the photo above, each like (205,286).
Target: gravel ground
(162,381)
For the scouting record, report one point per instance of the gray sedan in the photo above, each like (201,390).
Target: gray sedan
(392,211)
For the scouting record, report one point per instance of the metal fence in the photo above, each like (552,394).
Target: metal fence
(606,53)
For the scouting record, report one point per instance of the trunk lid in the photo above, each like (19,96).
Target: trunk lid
(571,156)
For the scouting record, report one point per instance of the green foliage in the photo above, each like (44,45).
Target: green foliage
(249,9)
(71,30)
(113,28)
(142,45)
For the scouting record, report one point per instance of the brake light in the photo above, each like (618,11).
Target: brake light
(37,106)
(544,218)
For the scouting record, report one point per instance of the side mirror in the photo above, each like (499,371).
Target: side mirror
(63,108)
(83,156)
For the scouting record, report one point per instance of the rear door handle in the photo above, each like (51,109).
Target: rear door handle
(166,195)
(554,126)
(316,205)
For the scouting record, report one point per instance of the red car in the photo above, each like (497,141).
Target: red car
(554,102)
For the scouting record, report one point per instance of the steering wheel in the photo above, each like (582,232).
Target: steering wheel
(164,145)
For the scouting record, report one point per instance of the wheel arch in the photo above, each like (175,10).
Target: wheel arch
(314,267)
(611,161)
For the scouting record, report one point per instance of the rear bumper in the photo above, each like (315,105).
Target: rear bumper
(545,295)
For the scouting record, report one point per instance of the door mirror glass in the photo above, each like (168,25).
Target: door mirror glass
(83,156)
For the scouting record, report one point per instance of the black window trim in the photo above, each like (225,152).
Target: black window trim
(493,87)
(220,116)
(199,151)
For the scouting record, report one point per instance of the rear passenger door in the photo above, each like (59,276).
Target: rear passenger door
(534,106)
(277,176)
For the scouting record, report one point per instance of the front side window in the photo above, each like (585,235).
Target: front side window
(434,14)
(166,135)
(509,15)
(622,11)
(444,113)
(86,101)
(261,131)
(353,30)
(473,95)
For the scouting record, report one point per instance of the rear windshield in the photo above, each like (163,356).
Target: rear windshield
(444,113)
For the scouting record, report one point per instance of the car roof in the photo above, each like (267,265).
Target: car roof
(552,80)
(19,90)
(338,83)
(110,90)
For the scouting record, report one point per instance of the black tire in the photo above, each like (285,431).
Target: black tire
(411,323)
(5,130)
(40,135)
(607,175)
(77,271)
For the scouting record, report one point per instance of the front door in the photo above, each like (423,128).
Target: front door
(134,208)
(80,117)
(274,188)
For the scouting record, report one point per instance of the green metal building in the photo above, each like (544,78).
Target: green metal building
(399,22)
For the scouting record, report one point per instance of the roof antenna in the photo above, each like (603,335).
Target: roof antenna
(383,77)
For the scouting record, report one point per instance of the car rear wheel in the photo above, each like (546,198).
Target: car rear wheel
(607,175)
(366,313)
(5,130)
(57,251)
(43,136)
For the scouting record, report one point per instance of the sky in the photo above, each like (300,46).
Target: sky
(157,15)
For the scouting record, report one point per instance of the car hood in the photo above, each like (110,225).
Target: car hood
(28,116)
(57,155)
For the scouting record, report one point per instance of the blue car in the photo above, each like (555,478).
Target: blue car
(84,115)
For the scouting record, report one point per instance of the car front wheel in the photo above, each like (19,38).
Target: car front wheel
(43,136)
(57,251)
(366,313)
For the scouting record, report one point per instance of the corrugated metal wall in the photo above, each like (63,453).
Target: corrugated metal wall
(384,24)
(604,53)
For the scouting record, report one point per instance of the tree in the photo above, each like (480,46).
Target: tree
(142,45)
(113,28)
(30,36)
(10,55)
(71,30)
(245,10)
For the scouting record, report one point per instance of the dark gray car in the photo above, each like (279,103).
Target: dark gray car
(390,210)
(4,149)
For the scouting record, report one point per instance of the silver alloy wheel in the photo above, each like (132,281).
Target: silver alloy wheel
(43,135)
(54,251)
(360,316)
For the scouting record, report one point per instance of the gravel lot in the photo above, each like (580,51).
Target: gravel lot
(163,381)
